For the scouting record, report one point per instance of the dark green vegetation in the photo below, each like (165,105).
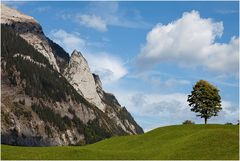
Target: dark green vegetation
(205,100)
(12,44)
(40,82)
(48,115)
(62,57)
(91,131)
(188,122)
(171,142)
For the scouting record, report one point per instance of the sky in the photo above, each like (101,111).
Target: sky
(150,54)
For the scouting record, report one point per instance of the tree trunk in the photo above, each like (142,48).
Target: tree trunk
(205,119)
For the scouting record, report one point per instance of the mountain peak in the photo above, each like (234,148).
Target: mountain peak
(9,15)
(79,75)
(77,53)
(77,56)
(30,30)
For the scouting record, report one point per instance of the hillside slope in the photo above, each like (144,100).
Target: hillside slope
(171,142)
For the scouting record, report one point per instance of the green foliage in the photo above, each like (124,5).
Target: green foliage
(228,123)
(48,115)
(59,50)
(92,130)
(71,111)
(192,142)
(41,82)
(22,101)
(48,130)
(5,118)
(110,99)
(125,115)
(62,57)
(19,111)
(188,122)
(11,44)
(205,100)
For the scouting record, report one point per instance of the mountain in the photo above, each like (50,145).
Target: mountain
(49,97)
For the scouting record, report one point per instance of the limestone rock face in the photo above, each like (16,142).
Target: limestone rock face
(79,75)
(30,30)
(9,15)
(89,86)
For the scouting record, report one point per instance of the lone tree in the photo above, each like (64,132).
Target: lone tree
(205,100)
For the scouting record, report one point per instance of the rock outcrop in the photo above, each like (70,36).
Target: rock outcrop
(30,30)
(89,86)
(79,75)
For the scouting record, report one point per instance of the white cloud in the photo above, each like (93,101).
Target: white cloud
(92,21)
(113,15)
(166,106)
(223,57)
(109,68)
(190,41)
(100,15)
(229,113)
(67,40)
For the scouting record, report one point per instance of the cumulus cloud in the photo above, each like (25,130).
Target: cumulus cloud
(109,68)
(223,57)
(68,41)
(92,21)
(191,41)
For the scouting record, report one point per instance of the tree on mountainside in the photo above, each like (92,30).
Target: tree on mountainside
(205,100)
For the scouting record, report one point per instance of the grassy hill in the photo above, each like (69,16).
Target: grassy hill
(171,142)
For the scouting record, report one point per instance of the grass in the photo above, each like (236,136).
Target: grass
(187,142)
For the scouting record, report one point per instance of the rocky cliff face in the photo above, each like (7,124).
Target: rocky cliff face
(90,87)
(79,75)
(49,98)
(30,30)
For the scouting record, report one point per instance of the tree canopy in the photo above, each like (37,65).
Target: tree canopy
(205,100)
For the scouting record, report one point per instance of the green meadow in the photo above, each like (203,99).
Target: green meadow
(189,142)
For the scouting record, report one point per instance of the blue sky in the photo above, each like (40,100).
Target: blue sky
(150,54)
